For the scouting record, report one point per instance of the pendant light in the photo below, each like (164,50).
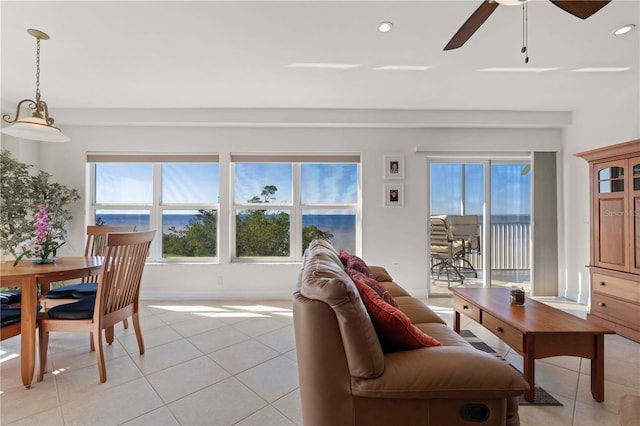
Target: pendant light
(39,126)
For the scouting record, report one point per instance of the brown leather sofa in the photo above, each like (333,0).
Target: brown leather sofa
(347,379)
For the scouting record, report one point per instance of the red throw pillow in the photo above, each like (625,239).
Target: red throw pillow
(375,285)
(358,264)
(394,328)
(344,257)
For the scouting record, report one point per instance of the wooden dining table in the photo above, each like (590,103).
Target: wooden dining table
(28,275)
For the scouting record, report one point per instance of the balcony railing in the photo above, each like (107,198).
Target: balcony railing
(510,247)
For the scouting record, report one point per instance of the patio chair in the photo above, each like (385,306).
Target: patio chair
(465,229)
(117,298)
(445,250)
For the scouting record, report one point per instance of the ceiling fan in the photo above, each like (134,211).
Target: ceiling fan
(582,9)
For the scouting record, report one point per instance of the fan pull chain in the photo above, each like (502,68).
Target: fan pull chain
(525,30)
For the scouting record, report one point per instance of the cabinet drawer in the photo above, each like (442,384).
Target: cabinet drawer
(505,332)
(614,286)
(466,308)
(609,307)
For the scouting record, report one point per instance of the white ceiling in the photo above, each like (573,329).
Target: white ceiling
(214,54)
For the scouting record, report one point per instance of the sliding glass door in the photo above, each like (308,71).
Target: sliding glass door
(510,229)
(482,208)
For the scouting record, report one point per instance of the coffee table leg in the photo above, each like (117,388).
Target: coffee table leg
(456,321)
(597,369)
(529,366)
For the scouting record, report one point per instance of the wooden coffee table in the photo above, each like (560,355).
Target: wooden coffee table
(535,331)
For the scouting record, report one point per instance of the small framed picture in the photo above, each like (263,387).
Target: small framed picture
(393,167)
(393,195)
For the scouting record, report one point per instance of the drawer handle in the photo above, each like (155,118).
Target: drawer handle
(499,329)
(602,283)
(465,306)
(602,304)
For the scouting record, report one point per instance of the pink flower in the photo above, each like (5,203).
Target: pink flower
(45,242)
(42,224)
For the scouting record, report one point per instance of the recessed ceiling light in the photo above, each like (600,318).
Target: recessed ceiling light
(602,69)
(323,65)
(403,68)
(624,30)
(528,69)
(385,26)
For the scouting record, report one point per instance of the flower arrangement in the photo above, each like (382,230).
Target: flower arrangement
(45,241)
(22,189)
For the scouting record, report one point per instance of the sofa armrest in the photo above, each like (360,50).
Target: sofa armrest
(442,372)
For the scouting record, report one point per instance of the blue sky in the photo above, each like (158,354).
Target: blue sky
(199,183)
(321,184)
(510,189)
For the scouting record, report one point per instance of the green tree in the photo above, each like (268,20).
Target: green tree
(198,239)
(22,189)
(262,232)
(266,233)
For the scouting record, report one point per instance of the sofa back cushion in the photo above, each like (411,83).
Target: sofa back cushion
(324,278)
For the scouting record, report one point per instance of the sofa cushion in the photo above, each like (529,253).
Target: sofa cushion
(323,278)
(394,289)
(375,285)
(394,328)
(417,311)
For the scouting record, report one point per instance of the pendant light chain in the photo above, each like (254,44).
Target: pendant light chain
(525,30)
(38,71)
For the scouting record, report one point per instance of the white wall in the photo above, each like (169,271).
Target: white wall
(392,235)
(608,120)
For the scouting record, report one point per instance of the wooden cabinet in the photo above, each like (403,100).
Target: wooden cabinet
(615,237)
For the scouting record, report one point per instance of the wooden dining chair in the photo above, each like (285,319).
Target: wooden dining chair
(94,246)
(10,313)
(117,299)
(9,322)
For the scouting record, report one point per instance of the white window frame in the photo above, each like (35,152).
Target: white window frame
(296,208)
(157,207)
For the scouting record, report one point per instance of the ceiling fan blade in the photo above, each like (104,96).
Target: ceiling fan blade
(474,22)
(581,9)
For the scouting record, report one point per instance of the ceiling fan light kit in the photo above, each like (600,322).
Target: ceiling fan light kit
(39,126)
(579,8)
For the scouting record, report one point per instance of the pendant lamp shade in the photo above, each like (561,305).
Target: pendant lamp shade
(35,128)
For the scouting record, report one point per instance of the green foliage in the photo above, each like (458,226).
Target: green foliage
(198,239)
(22,189)
(261,232)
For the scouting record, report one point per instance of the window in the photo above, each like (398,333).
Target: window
(281,203)
(177,194)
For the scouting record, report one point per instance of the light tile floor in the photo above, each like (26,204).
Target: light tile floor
(234,363)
